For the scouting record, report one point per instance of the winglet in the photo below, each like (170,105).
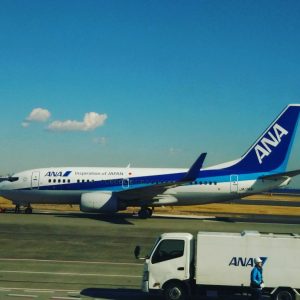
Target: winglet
(192,173)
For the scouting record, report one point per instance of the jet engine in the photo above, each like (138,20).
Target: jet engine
(105,202)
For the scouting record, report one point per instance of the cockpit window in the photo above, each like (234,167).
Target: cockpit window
(12,179)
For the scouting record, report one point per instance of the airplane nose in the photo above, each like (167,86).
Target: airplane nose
(4,185)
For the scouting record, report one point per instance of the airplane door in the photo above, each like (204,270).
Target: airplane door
(234,183)
(125,183)
(35,179)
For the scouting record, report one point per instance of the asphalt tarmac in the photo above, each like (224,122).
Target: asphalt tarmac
(50,255)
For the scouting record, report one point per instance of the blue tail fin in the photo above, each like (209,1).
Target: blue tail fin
(272,149)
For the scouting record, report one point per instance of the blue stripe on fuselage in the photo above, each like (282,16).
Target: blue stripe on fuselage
(116,185)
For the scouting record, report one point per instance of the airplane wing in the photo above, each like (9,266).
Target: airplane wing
(149,192)
(281,175)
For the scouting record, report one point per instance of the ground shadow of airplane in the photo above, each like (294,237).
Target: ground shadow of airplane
(119,219)
(126,218)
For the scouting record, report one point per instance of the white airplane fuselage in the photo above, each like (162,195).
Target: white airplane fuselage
(48,185)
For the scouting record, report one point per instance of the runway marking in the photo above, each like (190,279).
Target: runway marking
(70,274)
(63,298)
(18,295)
(74,294)
(38,290)
(71,261)
(184,216)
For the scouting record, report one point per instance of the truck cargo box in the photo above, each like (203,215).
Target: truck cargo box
(228,258)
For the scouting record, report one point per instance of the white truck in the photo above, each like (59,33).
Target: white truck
(215,263)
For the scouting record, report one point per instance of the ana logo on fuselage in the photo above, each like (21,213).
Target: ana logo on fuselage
(58,174)
(262,149)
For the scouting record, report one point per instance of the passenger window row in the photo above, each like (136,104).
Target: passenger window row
(82,180)
(59,180)
(205,182)
(131,181)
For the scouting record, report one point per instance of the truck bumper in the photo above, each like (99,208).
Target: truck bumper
(145,286)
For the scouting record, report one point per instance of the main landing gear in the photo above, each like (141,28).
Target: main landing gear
(145,212)
(28,209)
(17,209)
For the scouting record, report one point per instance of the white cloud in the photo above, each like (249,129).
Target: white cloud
(174,151)
(91,121)
(102,140)
(38,115)
(25,124)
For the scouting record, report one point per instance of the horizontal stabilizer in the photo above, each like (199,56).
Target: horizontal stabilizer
(281,175)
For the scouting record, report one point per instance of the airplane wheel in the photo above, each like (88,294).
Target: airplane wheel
(150,211)
(28,210)
(17,209)
(145,213)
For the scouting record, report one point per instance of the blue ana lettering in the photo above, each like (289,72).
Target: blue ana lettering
(271,140)
(244,261)
(58,174)
(241,261)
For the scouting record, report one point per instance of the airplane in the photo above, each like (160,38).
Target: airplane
(109,190)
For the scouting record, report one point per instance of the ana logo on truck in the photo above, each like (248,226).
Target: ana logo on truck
(245,261)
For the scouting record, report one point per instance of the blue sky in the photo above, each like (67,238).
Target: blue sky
(166,79)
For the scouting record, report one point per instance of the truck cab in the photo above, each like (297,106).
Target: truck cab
(170,265)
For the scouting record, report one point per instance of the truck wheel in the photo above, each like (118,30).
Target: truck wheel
(284,295)
(174,291)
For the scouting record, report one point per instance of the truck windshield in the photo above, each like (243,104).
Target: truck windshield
(152,249)
(168,249)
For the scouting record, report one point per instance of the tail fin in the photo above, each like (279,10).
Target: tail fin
(272,149)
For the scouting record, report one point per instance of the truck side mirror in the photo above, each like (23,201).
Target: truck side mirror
(137,252)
